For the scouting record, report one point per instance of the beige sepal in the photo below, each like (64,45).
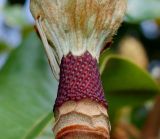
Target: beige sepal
(76,26)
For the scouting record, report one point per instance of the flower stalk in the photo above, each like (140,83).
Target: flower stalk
(74,33)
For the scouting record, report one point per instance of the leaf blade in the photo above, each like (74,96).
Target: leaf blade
(27,90)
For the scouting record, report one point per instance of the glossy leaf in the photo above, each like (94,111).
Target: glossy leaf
(125,83)
(27,92)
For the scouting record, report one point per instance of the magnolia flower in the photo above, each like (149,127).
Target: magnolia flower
(74,33)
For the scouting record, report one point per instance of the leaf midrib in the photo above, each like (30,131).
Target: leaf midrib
(38,127)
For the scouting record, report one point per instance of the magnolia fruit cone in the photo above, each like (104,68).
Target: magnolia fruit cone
(74,33)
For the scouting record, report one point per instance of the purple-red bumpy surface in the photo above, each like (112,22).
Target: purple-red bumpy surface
(79,79)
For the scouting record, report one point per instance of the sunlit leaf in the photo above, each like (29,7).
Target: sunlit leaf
(27,92)
(125,83)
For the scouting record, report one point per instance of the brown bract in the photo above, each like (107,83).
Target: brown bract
(85,119)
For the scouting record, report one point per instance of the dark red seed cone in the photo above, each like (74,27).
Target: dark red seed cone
(79,79)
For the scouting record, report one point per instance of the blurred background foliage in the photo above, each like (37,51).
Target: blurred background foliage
(130,73)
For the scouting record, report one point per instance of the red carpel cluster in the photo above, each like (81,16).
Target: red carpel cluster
(79,79)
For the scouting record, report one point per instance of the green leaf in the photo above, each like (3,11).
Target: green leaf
(139,10)
(27,92)
(47,133)
(125,83)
